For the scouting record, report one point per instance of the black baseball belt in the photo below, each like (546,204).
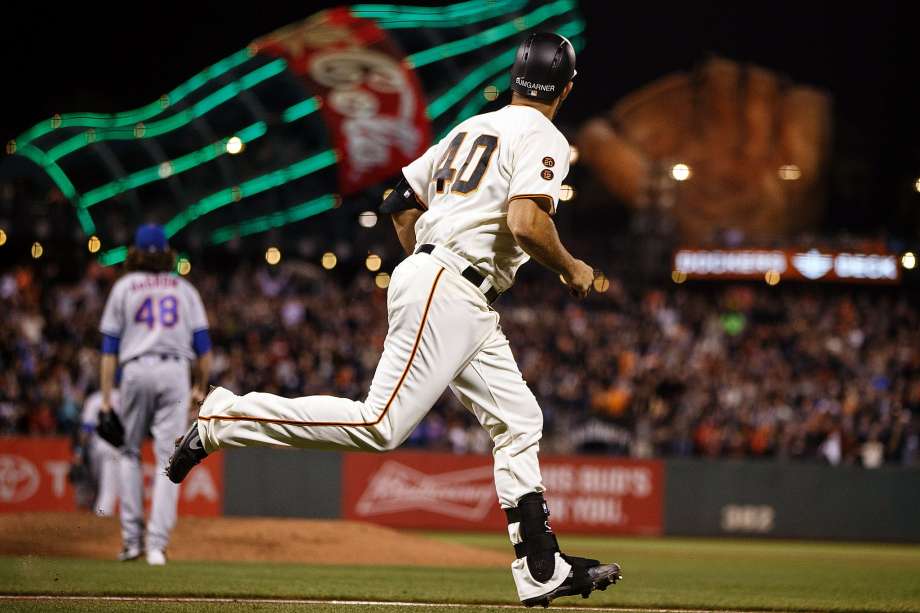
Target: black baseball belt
(470,274)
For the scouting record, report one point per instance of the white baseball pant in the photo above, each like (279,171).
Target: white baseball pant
(442,333)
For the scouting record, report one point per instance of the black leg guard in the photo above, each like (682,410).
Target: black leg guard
(538,543)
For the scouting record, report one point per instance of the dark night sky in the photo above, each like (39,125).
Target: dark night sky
(79,58)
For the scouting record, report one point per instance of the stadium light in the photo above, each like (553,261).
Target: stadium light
(772,277)
(272,255)
(566,193)
(908,260)
(601,283)
(573,154)
(680,172)
(678,276)
(10,147)
(183,266)
(329,260)
(93,244)
(790,172)
(234,145)
(367,219)
(373,262)
(37,250)
(382,280)
(917,185)
(490,93)
(2,237)
(165,170)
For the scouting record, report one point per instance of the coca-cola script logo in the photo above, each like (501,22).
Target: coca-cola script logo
(464,494)
(19,479)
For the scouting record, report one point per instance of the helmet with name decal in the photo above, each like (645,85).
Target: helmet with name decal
(544,64)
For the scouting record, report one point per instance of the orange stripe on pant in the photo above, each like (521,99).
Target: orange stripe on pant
(291,422)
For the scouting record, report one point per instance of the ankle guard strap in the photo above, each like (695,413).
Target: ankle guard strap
(538,543)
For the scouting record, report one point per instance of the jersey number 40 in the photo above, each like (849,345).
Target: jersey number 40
(165,310)
(483,146)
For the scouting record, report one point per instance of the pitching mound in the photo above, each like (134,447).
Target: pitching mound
(241,539)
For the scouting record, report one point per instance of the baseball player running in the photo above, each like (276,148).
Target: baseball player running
(469,212)
(153,326)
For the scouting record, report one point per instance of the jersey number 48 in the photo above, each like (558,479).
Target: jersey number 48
(166,311)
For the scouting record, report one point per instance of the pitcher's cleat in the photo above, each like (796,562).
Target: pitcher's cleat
(129,554)
(585,577)
(156,557)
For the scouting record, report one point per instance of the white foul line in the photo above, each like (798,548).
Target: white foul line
(356,603)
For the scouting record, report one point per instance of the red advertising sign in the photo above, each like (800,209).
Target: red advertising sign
(794,264)
(456,492)
(372,101)
(33,477)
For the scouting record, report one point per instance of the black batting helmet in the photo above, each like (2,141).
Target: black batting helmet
(544,64)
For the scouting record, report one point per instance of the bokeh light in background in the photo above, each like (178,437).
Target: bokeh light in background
(272,255)
(566,193)
(165,170)
(11,147)
(772,277)
(93,244)
(678,276)
(373,262)
(367,219)
(680,172)
(490,93)
(183,266)
(234,145)
(601,283)
(789,172)
(37,250)
(382,280)
(909,260)
(2,237)
(329,260)
(917,185)
(573,154)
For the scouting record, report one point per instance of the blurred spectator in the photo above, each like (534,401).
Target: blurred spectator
(825,373)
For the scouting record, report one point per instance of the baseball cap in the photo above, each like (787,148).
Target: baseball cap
(150,237)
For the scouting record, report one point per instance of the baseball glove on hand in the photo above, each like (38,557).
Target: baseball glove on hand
(110,428)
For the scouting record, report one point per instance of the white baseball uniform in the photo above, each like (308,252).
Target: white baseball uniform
(104,458)
(159,325)
(442,331)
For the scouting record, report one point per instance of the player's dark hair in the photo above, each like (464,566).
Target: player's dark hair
(150,261)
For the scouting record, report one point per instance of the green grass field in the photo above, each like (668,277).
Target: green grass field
(658,573)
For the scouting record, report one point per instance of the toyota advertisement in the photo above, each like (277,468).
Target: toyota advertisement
(33,477)
(445,491)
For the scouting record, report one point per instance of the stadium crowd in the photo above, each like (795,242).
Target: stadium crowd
(824,374)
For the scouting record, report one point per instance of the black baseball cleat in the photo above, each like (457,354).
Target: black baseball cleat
(585,577)
(189,452)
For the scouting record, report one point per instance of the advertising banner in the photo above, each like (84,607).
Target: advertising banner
(33,477)
(787,264)
(457,492)
(372,100)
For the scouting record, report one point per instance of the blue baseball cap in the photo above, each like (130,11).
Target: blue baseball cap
(150,237)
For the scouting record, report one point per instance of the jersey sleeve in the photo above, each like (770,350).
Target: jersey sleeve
(113,315)
(539,164)
(419,174)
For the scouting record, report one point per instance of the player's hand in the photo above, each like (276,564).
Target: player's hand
(579,279)
(198,396)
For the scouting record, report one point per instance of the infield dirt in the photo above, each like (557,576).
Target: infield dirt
(242,539)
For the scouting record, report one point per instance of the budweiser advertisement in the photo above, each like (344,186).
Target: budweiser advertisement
(456,492)
(33,477)
(794,264)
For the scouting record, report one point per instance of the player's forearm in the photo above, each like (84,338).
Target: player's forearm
(404,222)
(536,234)
(107,378)
(203,372)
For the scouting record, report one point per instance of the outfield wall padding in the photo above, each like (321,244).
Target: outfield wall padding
(791,500)
(282,483)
